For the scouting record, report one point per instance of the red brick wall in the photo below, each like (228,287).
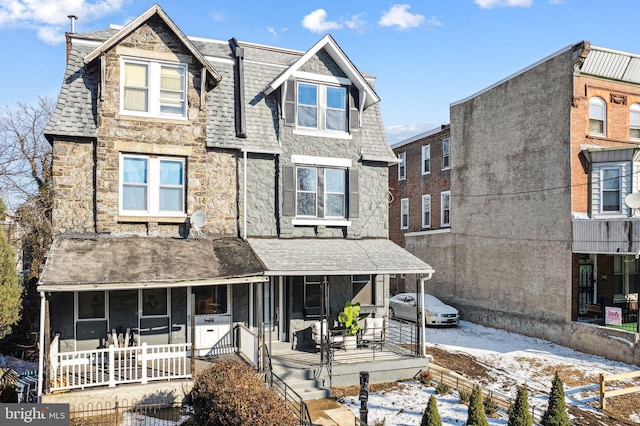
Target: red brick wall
(416,185)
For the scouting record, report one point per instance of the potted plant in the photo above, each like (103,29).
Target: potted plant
(348,319)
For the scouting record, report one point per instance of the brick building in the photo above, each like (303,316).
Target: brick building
(420,206)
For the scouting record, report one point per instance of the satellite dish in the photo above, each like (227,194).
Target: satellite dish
(197,220)
(633,200)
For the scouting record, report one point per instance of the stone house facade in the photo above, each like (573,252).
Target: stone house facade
(202,184)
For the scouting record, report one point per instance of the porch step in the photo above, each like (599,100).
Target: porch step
(309,389)
(280,347)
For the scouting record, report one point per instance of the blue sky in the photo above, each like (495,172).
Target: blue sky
(425,54)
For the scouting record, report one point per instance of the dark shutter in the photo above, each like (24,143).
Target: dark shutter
(288,192)
(354,113)
(320,193)
(290,103)
(354,203)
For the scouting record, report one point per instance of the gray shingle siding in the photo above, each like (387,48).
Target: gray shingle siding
(75,113)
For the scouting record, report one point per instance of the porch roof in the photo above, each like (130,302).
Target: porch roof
(335,256)
(86,262)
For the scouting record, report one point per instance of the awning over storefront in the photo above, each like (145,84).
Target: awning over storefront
(107,263)
(339,256)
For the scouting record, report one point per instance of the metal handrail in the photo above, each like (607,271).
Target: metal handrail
(292,400)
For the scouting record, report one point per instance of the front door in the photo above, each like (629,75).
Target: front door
(213,317)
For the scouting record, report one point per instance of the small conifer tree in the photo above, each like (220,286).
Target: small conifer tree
(556,414)
(519,414)
(476,415)
(431,416)
(10,288)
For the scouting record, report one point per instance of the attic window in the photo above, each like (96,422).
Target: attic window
(321,107)
(150,88)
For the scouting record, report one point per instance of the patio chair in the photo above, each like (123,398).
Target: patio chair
(318,329)
(373,332)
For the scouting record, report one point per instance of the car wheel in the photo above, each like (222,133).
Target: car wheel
(391,314)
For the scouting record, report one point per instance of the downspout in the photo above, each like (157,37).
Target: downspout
(244,195)
(238,53)
(423,333)
(41,355)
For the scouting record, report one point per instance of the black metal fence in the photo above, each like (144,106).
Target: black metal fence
(125,413)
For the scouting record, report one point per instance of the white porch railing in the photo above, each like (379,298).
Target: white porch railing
(248,343)
(112,366)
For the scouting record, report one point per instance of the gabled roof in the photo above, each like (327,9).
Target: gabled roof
(329,44)
(127,29)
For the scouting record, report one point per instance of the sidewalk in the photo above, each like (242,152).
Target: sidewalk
(329,412)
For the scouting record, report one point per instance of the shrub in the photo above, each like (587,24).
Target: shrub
(424,377)
(230,393)
(490,406)
(431,417)
(556,413)
(519,414)
(465,396)
(476,415)
(442,388)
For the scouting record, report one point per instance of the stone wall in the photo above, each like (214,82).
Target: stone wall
(211,176)
(73,181)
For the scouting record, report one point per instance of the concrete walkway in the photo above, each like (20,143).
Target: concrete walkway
(329,412)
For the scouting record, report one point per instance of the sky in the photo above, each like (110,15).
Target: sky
(513,360)
(424,54)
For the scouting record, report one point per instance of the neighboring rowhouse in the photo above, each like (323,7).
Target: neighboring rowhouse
(545,240)
(233,181)
(420,186)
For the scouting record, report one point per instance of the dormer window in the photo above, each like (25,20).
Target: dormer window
(321,107)
(154,89)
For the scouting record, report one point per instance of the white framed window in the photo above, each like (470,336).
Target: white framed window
(625,272)
(446,154)
(597,116)
(321,107)
(445,208)
(404,213)
(611,189)
(152,88)
(91,305)
(426,159)
(426,211)
(318,183)
(402,165)
(634,122)
(152,186)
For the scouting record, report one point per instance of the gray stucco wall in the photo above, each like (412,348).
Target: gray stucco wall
(511,201)
(437,249)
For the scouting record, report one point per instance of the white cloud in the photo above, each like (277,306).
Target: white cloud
(400,132)
(356,22)
(275,33)
(51,35)
(556,1)
(316,22)
(433,22)
(399,16)
(49,17)
(490,4)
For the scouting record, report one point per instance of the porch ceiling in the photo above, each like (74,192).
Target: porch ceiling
(84,262)
(335,256)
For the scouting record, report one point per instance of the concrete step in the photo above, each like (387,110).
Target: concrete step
(313,393)
(280,347)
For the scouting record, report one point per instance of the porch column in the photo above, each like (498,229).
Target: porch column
(281,313)
(41,354)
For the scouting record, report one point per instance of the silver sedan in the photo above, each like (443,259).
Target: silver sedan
(405,306)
